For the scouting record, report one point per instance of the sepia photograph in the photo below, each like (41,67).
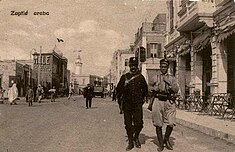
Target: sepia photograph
(117,75)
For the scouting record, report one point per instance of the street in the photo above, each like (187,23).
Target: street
(67,126)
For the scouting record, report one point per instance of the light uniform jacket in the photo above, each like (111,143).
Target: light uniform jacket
(164,84)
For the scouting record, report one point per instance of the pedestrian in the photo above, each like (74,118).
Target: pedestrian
(71,92)
(164,88)
(133,88)
(52,91)
(89,94)
(12,94)
(1,95)
(39,93)
(35,92)
(29,96)
(114,92)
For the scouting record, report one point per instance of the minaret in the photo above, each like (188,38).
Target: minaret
(78,65)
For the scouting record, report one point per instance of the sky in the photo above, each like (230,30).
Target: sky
(97,27)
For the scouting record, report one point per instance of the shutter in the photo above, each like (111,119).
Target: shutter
(159,50)
(148,51)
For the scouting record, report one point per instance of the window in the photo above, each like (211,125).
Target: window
(155,50)
(172,16)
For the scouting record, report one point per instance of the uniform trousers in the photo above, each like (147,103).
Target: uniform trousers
(133,119)
(163,112)
(88,102)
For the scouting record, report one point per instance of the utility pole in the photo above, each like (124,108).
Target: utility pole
(29,66)
(39,65)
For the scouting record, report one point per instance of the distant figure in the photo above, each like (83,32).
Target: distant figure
(39,93)
(52,92)
(89,94)
(29,96)
(35,92)
(114,94)
(1,95)
(1,92)
(71,91)
(13,94)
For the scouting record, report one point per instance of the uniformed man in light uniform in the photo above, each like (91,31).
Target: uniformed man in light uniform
(164,87)
(132,88)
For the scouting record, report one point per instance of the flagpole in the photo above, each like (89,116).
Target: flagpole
(39,66)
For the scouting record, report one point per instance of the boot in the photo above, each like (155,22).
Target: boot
(130,142)
(160,138)
(136,140)
(167,136)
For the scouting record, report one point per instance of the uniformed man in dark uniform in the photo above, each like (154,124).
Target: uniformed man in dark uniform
(89,94)
(133,89)
(164,87)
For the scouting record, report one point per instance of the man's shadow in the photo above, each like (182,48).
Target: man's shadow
(143,138)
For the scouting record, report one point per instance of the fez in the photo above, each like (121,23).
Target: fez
(133,61)
(164,61)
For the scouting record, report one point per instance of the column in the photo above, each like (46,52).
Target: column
(221,68)
(181,73)
(214,79)
(198,71)
(192,81)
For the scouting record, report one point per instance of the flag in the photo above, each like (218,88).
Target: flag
(60,40)
(77,50)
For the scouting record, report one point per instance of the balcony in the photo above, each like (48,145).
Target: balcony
(194,14)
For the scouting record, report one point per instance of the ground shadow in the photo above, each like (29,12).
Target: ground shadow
(143,138)
(92,107)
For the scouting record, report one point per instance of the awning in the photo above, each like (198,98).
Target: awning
(201,41)
(184,49)
(226,32)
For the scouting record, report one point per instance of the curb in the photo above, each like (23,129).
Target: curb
(206,130)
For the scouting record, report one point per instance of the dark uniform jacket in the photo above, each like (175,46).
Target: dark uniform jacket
(133,92)
(29,95)
(89,92)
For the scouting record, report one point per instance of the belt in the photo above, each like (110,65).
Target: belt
(162,97)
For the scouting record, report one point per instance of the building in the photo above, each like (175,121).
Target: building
(149,44)
(223,45)
(50,69)
(120,64)
(78,65)
(12,71)
(201,42)
(81,81)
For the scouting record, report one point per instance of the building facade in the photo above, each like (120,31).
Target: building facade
(149,44)
(12,71)
(120,64)
(201,41)
(223,47)
(50,69)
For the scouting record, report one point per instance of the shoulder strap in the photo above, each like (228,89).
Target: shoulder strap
(132,78)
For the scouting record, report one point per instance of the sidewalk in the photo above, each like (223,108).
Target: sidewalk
(210,125)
